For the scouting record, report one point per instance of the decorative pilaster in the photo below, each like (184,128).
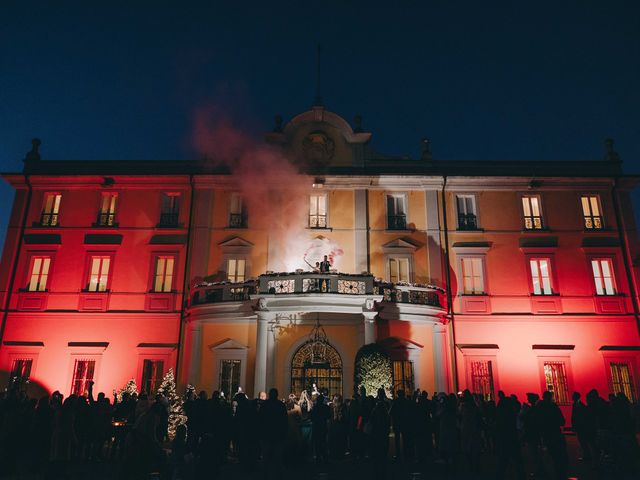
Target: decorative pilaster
(262,336)
(195,356)
(369,327)
(441,357)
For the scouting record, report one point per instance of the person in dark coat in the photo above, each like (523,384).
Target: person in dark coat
(273,428)
(551,421)
(579,424)
(320,415)
(380,427)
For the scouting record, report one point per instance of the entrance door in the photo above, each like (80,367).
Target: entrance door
(327,376)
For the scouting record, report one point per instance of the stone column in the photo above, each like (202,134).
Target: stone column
(361,246)
(271,359)
(441,357)
(369,327)
(262,334)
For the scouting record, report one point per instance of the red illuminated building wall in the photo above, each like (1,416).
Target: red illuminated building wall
(525,276)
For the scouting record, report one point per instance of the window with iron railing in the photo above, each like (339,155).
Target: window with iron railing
(482,378)
(622,380)
(467,219)
(170,210)
(555,376)
(83,371)
(591,212)
(152,371)
(50,210)
(21,369)
(163,274)
(237,214)
(603,276)
(38,274)
(396,212)
(107,213)
(99,269)
(532,212)
(318,211)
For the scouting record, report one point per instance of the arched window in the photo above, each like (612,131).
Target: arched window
(327,375)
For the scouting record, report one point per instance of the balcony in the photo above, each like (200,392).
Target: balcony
(168,220)
(237,220)
(106,220)
(302,283)
(48,219)
(396,222)
(317,221)
(467,221)
(414,294)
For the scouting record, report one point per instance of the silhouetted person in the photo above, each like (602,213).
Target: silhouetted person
(320,415)
(401,413)
(273,425)
(325,265)
(507,443)
(579,421)
(470,431)
(380,427)
(551,421)
(424,426)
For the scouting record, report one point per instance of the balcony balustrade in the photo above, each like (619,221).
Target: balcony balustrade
(168,219)
(467,221)
(316,283)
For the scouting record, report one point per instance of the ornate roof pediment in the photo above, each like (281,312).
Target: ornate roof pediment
(399,245)
(228,344)
(235,245)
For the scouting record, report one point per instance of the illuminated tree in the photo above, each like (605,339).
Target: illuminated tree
(176,411)
(373,369)
(130,388)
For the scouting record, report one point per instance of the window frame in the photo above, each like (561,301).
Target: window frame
(155,256)
(474,198)
(173,216)
(399,256)
(32,255)
(631,361)
(114,223)
(405,202)
(469,360)
(568,372)
(552,277)
(87,274)
(395,385)
(74,363)
(543,223)
(227,259)
(244,219)
(230,349)
(43,211)
(326,211)
(611,259)
(584,216)
(157,379)
(461,283)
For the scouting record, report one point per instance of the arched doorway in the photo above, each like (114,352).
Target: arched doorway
(327,375)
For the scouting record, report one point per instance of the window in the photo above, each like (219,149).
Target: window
(403,376)
(541,276)
(236,270)
(229,377)
(38,274)
(152,371)
(591,212)
(98,273)
(622,380)
(482,378)
(532,212)
(399,270)
(467,217)
(83,371)
(107,214)
(555,377)
(170,210)
(50,210)
(396,212)
(318,211)
(163,274)
(237,217)
(603,276)
(21,369)
(472,276)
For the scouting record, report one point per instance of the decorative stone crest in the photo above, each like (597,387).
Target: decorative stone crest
(317,147)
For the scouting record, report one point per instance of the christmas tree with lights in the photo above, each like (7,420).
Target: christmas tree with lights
(130,388)
(176,411)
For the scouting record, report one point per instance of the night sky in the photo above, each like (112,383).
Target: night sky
(483,80)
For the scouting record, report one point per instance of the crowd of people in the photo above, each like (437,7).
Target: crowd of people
(463,433)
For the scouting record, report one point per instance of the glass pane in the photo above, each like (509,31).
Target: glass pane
(525,207)
(595,208)
(160,266)
(313,205)
(404,269)
(535,206)
(393,270)
(240,272)
(231,269)
(322,205)
(585,206)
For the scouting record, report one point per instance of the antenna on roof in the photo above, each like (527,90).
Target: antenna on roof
(318,100)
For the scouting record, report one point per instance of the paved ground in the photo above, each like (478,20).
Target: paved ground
(351,470)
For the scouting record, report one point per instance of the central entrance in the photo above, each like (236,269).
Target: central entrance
(327,375)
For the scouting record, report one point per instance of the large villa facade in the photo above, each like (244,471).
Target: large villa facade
(514,276)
